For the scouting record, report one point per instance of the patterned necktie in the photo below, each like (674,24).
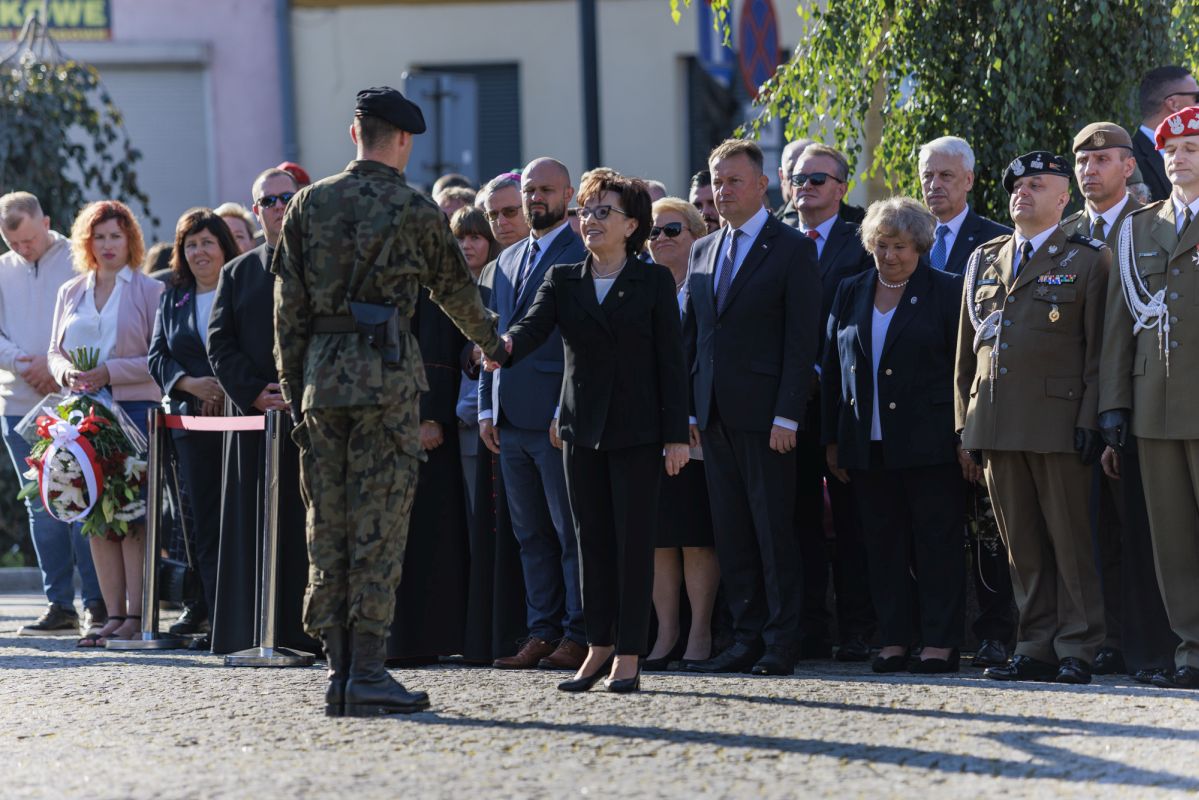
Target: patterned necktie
(939,255)
(726,272)
(1099,228)
(526,267)
(1025,255)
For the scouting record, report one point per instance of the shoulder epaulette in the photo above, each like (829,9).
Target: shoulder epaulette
(1079,238)
(1073,218)
(998,241)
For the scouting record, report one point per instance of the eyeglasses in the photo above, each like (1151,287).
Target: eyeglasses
(269,200)
(816,178)
(671,229)
(508,212)
(599,212)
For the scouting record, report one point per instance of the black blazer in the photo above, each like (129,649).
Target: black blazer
(975,230)
(241,334)
(757,358)
(843,257)
(1153,168)
(441,349)
(176,349)
(915,372)
(624,383)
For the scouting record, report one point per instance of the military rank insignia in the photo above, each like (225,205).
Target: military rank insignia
(1056,280)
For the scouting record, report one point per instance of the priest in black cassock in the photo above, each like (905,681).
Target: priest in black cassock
(240,341)
(431,600)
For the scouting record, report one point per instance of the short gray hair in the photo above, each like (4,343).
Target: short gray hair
(494,185)
(15,207)
(898,216)
(949,146)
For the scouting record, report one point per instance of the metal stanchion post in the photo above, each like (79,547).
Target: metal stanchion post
(266,654)
(150,638)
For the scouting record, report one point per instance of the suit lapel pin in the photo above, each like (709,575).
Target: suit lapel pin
(620,293)
(912,301)
(1053,249)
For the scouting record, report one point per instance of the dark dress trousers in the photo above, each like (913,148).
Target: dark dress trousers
(240,338)
(623,398)
(1153,167)
(842,257)
(430,615)
(177,351)
(909,484)
(750,362)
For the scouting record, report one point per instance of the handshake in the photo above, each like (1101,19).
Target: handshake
(492,366)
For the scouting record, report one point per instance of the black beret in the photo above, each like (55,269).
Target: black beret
(389,105)
(1038,162)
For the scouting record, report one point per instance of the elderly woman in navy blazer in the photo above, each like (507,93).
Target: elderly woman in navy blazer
(887,396)
(178,361)
(623,407)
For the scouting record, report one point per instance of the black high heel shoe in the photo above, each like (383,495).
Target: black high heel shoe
(624,685)
(890,664)
(935,666)
(587,681)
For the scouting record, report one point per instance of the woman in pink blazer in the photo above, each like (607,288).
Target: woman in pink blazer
(110,307)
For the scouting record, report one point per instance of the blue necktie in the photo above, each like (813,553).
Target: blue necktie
(726,273)
(938,255)
(526,267)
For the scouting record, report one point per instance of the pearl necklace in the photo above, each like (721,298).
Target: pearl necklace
(595,273)
(899,285)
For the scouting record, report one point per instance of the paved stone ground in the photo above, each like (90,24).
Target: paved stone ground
(180,725)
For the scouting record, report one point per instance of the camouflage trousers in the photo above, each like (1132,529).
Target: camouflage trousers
(358,471)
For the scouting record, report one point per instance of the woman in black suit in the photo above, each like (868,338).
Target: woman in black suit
(888,425)
(178,359)
(623,400)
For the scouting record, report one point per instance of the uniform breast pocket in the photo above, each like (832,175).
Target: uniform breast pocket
(987,299)
(1057,309)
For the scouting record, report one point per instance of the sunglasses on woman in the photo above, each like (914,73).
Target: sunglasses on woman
(817,178)
(599,212)
(671,229)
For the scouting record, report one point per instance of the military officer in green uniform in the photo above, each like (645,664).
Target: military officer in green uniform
(353,253)
(1150,377)
(1026,400)
(1103,165)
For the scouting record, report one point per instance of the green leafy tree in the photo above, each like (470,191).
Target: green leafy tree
(878,79)
(61,135)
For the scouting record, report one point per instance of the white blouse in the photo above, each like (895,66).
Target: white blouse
(89,327)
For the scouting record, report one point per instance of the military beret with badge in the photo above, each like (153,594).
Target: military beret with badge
(1038,162)
(1184,122)
(1100,136)
(391,106)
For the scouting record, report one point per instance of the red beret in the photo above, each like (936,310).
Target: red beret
(297,172)
(1180,123)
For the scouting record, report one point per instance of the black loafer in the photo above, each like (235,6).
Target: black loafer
(1073,670)
(777,660)
(739,657)
(1181,678)
(1148,674)
(990,653)
(937,666)
(1109,661)
(855,648)
(889,664)
(1022,668)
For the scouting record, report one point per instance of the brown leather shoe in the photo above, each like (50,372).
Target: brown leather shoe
(533,651)
(569,655)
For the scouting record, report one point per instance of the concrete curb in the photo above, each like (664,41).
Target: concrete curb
(21,579)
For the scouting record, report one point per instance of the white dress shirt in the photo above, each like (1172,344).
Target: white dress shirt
(1151,135)
(954,227)
(1180,214)
(1037,241)
(822,229)
(1109,217)
(91,328)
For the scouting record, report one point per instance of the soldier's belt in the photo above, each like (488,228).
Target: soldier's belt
(345,323)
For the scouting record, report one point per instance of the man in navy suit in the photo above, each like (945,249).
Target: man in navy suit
(1163,91)
(946,177)
(818,182)
(751,334)
(517,416)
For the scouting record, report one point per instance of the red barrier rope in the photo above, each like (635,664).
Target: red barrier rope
(181,423)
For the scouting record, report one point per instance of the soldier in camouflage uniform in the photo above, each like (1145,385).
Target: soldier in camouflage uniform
(353,252)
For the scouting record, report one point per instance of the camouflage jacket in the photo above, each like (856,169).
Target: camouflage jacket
(364,235)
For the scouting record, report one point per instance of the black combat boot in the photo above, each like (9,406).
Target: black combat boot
(371,691)
(337,654)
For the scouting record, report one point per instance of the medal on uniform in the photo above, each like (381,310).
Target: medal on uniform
(1054,314)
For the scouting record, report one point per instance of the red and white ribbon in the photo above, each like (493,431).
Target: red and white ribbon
(65,436)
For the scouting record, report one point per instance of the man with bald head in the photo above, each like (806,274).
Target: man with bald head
(516,408)
(1027,407)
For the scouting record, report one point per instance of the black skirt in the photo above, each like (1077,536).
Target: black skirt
(684,515)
